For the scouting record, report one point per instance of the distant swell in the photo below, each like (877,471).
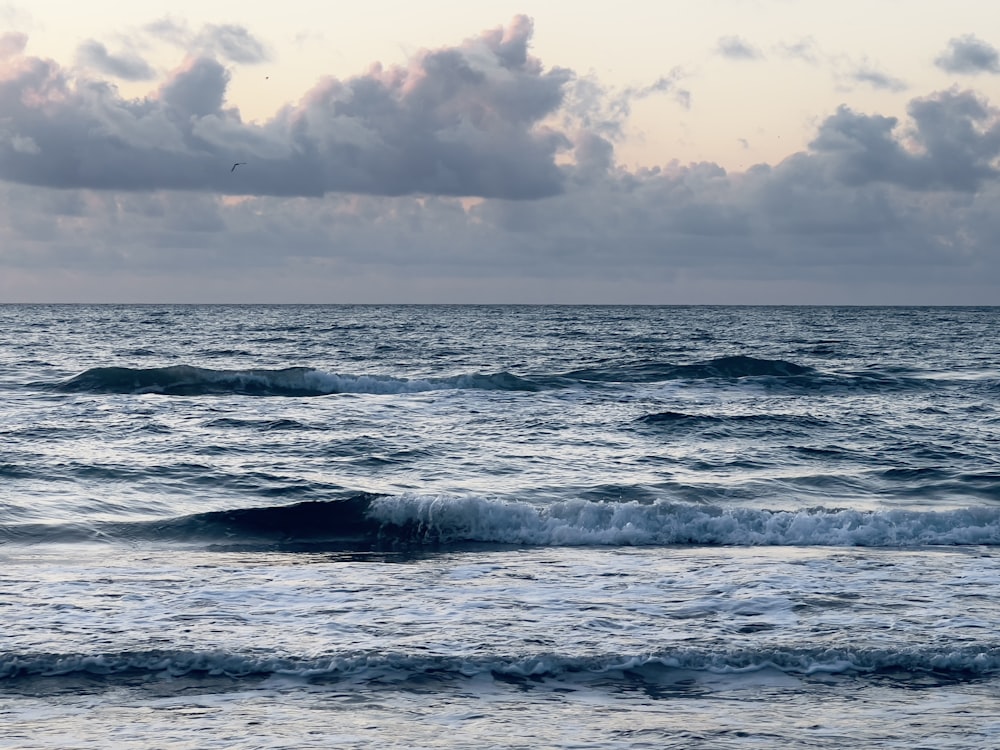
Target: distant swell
(387,522)
(680,419)
(189,380)
(186,380)
(721,367)
(387,669)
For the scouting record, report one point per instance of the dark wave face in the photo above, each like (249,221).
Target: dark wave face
(189,380)
(742,367)
(680,419)
(610,671)
(721,367)
(186,380)
(335,522)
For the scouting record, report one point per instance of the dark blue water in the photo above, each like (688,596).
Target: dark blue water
(563,526)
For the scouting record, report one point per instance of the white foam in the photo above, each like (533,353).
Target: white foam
(580,522)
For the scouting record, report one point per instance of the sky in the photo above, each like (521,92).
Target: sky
(682,152)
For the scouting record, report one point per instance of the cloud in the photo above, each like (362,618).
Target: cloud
(470,120)
(969,55)
(952,144)
(667,84)
(127,66)
(877,79)
(846,71)
(12,44)
(792,232)
(475,173)
(805,49)
(229,41)
(590,107)
(235,43)
(736,48)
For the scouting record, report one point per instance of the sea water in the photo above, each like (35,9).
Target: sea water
(499,526)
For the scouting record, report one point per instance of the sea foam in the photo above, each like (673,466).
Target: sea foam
(584,523)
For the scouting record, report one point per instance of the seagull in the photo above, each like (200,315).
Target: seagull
(237,164)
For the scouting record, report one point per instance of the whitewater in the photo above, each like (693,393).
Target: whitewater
(499,526)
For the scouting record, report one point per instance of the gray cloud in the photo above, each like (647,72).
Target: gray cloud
(736,48)
(127,66)
(195,91)
(969,54)
(868,74)
(591,107)
(467,120)
(668,84)
(227,41)
(793,232)
(955,137)
(805,49)
(130,195)
(234,43)
(846,71)
(171,31)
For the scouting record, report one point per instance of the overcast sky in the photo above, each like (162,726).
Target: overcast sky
(709,151)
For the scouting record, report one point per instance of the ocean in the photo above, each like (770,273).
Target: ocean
(499,527)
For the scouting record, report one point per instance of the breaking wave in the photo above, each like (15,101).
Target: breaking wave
(367,521)
(584,523)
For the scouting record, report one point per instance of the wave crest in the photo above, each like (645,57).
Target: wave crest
(379,522)
(187,380)
(585,523)
(721,367)
(190,380)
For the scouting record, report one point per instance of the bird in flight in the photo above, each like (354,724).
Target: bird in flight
(237,164)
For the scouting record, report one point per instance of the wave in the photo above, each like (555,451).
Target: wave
(584,523)
(187,380)
(190,380)
(720,367)
(379,522)
(385,669)
(681,419)
(778,374)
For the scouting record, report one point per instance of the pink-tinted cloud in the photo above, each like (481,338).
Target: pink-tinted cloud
(465,120)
